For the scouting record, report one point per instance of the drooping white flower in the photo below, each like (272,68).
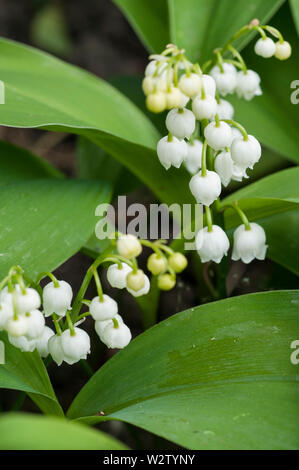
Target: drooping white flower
(103,309)
(193,158)
(152,66)
(143,291)
(245,153)
(249,244)
(207,188)
(55,349)
(6,312)
(22,343)
(101,325)
(174,98)
(227,170)
(212,246)
(265,47)
(57,299)
(17,326)
(75,347)
(35,324)
(190,85)
(248,85)
(42,342)
(218,137)
(27,300)
(225,109)
(116,338)
(180,123)
(204,108)
(209,85)
(128,246)
(116,276)
(283,50)
(226,81)
(171,153)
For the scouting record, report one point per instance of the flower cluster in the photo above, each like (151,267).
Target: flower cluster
(203,136)
(25,305)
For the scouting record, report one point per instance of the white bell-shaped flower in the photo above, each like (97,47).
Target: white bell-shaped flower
(224,166)
(57,299)
(204,108)
(35,324)
(42,342)
(101,325)
(22,343)
(17,326)
(218,137)
(180,123)
(116,338)
(225,109)
(6,312)
(152,66)
(190,85)
(206,188)
(193,158)
(28,300)
(209,85)
(265,47)
(245,153)
(117,276)
(226,81)
(249,244)
(174,98)
(143,291)
(212,246)
(55,349)
(283,50)
(128,246)
(248,85)
(171,153)
(75,347)
(103,309)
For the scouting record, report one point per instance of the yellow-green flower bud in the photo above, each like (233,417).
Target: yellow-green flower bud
(166,281)
(135,280)
(283,50)
(156,102)
(129,246)
(156,264)
(178,262)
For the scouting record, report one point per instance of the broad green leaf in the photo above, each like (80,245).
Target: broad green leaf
(272,117)
(20,431)
(26,372)
(18,164)
(200,26)
(218,376)
(44,222)
(275,193)
(149,19)
(295,10)
(42,91)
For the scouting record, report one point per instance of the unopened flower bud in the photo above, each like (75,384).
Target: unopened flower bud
(156,264)
(117,276)
(104,309)
(148,85)
(129,246)
(283,50)
(181,123)
(173,98)
(17,326)
(143,291)
(190,85)
(136,280)
(265,47)
(156,102)
(166,281)
(178,262)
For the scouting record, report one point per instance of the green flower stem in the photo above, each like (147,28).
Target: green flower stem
(239,211)
(169,137)
(238,56)
(115,322)
(4,282)
(153,246)
(277,34)
(238,126)
(50,275)
(83,315)
(98,285)
(209,218)
(56,324)
(70,324)
(204,159)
